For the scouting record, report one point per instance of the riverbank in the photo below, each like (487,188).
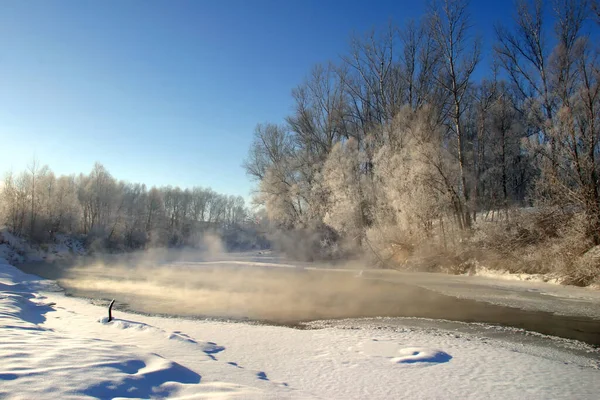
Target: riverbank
(57,346)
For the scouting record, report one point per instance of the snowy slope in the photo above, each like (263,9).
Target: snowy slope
(18,250)
(52,346)
(66,359)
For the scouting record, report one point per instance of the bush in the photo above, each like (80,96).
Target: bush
(546,241)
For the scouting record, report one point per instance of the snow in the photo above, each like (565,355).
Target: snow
(53,346)
(11,248)
(64,359)
(411,355)
(503,274)
(14,249)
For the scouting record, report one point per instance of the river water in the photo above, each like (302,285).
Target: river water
(260,288)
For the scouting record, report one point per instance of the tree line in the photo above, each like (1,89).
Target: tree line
(38,204)
(408,136)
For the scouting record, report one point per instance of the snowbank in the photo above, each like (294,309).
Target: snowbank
(52,346)
(67,361)
(16,250)
(411,355)
(503,274)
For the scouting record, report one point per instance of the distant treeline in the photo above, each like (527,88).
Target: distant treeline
(117,214)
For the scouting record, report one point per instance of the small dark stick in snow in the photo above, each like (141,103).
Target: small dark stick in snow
(110,310)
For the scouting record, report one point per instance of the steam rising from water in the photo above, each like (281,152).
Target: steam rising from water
(262,286)
(255,289)
(210,282)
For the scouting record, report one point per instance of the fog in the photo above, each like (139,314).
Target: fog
(266,287)
(239,286)
(258,285)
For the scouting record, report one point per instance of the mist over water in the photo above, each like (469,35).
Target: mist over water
(246,286)
(265,287)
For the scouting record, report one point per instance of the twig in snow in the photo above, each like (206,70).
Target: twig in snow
(110,306)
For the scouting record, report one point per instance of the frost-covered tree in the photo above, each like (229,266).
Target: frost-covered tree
(414,179)
(113,213)
(274,162)
(347,208)
(99,197)
(14,202)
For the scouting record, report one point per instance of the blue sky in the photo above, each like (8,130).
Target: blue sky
(168,92)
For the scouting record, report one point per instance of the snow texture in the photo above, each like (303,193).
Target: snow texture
(411,355)
(15,250)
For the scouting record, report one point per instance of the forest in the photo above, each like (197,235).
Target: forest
(414,150)
(113,215)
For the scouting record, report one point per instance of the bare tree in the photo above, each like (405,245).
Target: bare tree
(33,169)
(14,199)
(596,10)
(484,96)
(524,54)
(418,64)
(372,63)
(450,25)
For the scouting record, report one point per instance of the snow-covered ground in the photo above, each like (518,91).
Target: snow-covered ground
(504,274)
(17,250)
(53,346)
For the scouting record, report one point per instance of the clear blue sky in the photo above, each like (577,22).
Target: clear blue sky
(168,92)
